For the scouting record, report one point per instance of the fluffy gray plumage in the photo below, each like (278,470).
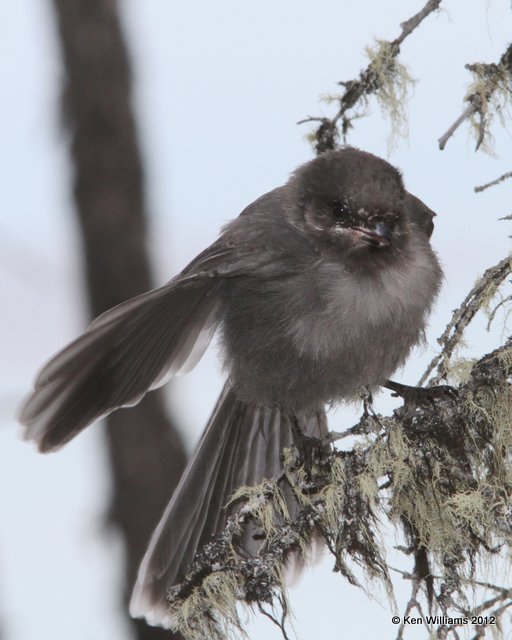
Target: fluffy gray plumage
(319,287)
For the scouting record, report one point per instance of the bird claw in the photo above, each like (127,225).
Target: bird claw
(310,449)
(421,395)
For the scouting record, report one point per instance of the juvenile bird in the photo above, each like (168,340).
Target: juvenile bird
(319,287)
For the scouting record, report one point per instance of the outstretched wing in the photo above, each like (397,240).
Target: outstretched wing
(123,354)
(138,345)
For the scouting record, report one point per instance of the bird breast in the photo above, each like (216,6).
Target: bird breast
(320,335)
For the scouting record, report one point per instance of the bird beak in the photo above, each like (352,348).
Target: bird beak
(377,236)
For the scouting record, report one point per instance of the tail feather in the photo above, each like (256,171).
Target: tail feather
(241,445)
(126,352)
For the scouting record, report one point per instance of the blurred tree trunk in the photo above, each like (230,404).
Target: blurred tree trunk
(146,452)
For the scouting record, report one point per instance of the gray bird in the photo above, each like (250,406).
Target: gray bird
(319,287)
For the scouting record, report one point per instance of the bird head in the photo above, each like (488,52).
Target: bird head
(357,201)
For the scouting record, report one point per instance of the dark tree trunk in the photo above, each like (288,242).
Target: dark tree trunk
(146,452)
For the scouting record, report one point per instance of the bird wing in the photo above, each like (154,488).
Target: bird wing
(138,345)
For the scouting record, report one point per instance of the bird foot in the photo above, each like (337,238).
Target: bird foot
(310,449)
(422,395)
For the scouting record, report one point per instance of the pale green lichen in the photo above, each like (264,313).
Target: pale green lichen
(263,502)
(491,92)
(330,98)
(446,486)
(394,84)
(431,488)
(458,370)
(505,358)
(211,610)
(332,497)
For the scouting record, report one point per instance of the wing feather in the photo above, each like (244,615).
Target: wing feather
(138,345)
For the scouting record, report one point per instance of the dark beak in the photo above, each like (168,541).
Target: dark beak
(378,235)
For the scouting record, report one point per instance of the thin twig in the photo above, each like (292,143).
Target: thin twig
(413,604)
(367,83)
(483,187)
(469,111)
(462,316)
(279,623)
(478,101)
(333,436)
(356,89)
(409,25)
(492,315)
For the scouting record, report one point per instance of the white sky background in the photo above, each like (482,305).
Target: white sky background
(219,88)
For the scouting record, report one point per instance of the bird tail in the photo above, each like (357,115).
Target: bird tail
(241,445)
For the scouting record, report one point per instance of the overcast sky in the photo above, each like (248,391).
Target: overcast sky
(219,89)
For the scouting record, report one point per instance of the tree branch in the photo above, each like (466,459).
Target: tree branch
(492,81)
(463,315)
(381,70)
(441,458)
(493,183)
(146,451)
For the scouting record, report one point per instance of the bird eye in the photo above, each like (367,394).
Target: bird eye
(340,210)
